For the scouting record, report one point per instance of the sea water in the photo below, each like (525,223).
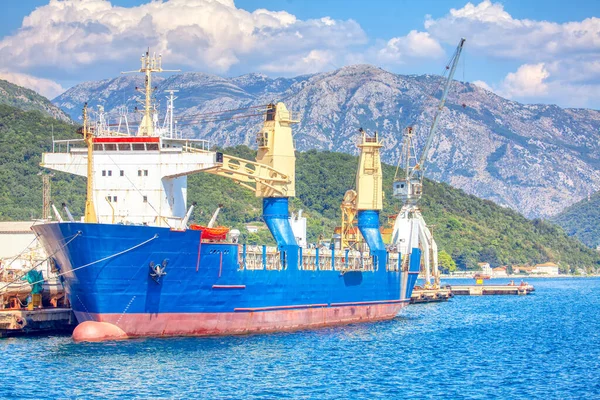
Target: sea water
(545,345)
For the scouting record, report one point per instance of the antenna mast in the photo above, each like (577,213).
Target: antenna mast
(123,118)
(171,109)
(150,64)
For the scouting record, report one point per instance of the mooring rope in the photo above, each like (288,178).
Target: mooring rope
(18,255)
(40,263)
(103,259)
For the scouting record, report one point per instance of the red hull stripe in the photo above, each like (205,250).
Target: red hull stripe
(301,306)
(294,307)
(240,323)
(229,286)
(128,139)
(364,303)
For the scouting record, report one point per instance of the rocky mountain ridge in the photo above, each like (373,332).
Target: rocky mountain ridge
(537,159)
(29,100)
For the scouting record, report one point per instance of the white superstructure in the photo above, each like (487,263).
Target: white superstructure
(125,171)
(139,179)
(142,178)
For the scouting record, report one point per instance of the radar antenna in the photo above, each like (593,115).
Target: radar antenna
(150,64)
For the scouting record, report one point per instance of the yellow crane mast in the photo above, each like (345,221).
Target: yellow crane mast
(273,173)
(88,138)
(369,187)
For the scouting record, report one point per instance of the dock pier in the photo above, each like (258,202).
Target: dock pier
(483,290)
(17,322)
(430,295)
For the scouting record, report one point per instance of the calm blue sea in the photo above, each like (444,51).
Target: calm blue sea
(546,345)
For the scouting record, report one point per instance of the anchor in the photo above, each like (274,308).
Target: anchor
(157,271)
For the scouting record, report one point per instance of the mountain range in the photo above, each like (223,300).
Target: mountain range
(29,100)
(466,227)
(536,159)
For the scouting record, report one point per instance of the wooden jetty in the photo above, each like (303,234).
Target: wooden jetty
(16,322)
(482,290)
(430,295)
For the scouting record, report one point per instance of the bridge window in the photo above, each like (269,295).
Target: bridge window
(271,112)
(114,199)
(109,173)
(110,147)
(145,199)
(262,139)
(124,146)
(122,173)
(138,146)
(103,172)
(145,172)
(152,146)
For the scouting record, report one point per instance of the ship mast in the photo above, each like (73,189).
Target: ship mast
(150,64)
(90,210)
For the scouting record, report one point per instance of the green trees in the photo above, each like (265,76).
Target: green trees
(446,261)
(467,229)
(24,136)
(582,220)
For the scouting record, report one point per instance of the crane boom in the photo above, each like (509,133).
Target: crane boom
(438,113)
(410,230)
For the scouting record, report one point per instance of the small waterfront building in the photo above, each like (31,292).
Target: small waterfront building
(548,268)
(485,268)
(252,228)
(522,269)
(499,272)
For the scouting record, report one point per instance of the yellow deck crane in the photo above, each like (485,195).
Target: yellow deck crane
(272,175)
(273,172)
(366,201)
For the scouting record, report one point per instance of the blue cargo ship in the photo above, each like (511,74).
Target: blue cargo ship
(134,267)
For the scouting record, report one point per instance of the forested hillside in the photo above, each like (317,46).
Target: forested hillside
(24,136)
(582,220)
(468,228)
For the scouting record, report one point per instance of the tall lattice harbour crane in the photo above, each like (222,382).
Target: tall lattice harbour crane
(410,230)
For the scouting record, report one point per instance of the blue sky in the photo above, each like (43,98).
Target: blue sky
(530,51)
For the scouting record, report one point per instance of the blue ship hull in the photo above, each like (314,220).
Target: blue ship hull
(208,289)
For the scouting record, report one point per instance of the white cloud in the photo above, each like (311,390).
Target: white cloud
(560,62)
(73,40)
(528,81)
(489,28)
(414,45)
(45,87)
(483,85)
(313,61)
(209,35)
